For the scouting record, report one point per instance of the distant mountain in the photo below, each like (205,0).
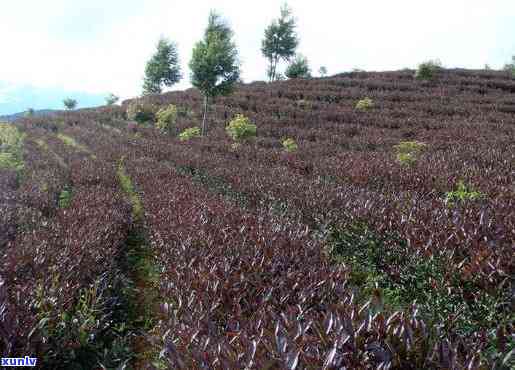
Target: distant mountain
(12,117)
(19,98)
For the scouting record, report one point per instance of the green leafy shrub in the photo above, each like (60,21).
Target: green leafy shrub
(86,325)
(189,133)
(406,158)
(290,145)
(410,147)
(428,69)
(298,68)
(365,104)
(166,118)
(141,112)
(240,129)
(462,194)
(65,199)
(409,151)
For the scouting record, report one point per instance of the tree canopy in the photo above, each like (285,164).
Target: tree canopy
(280,41)
(214,65)
(510,67)
(163,69)
(298,68)
(70,103)
(111,99)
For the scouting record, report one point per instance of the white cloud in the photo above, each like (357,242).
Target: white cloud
(100,46)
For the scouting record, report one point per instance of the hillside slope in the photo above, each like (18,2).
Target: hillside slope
(466,118)
(385,241)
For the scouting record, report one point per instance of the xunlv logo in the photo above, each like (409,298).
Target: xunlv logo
(19,361)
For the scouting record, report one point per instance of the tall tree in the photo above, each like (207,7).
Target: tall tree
(214,65)
(163,69)
(280,41)
(111,99)
(510,67)
(70,103)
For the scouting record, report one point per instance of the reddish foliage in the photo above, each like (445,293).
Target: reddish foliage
(252,286)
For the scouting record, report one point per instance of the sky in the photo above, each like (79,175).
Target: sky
(100,46)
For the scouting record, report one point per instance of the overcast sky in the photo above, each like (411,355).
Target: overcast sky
(100,46)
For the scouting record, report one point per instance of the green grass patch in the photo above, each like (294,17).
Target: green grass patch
(142,292)
(128,188)
(70,141)
(44,146)
(146,276)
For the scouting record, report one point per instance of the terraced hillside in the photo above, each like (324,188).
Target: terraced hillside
(384,241)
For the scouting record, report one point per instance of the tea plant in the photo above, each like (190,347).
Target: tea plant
(365,104)
(238,276)
(290,145)
(141,112)
(65,198)
(462,193)
(166,118)
(189,134)
(240,129)
(385,263)
(409,151)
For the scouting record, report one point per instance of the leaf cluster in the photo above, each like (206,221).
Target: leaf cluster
(241,129)
(298,68)
(189,133)
(167,118)
(163,69)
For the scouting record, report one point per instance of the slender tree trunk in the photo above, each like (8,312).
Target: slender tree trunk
(271,70)
(205,115)
(276,61)
(274,69)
